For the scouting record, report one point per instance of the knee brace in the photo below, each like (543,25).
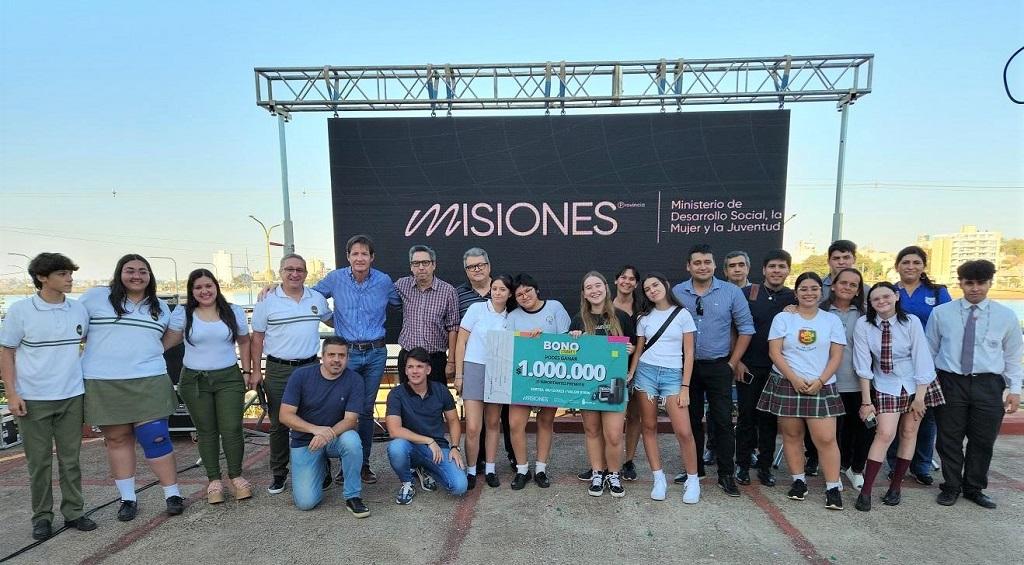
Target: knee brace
(155,438)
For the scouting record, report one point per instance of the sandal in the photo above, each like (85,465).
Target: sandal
(214,492)
(243,489)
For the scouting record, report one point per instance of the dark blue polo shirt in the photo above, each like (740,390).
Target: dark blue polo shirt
(320,401)
(422,415)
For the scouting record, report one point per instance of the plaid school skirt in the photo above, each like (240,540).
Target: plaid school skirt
(889,404)
(780,398)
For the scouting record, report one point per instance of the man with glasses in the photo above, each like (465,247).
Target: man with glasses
(430,315)
(286,326)
(716,307)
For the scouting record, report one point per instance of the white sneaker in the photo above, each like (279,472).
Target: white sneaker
(660,489)
(856,479)
(691,491)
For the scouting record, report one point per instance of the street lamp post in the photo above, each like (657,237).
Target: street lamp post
(175,263)
(266,235)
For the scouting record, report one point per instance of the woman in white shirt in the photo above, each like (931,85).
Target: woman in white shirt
(470,363)
(211,385)
(662,366)
(806,348)
(891,353)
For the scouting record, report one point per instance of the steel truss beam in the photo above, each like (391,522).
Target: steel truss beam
(562,85)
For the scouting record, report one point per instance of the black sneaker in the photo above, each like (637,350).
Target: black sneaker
(863,503)
(328,481)
(82,524)
(727,484)
(833,499)
(596,484)
(128,510)
(492,480)
(585,476)
(680,479)
(175,505)
(470,481)
(427,483)
(628,472)
(615,485)
(520,480)
(542,480)
(41,530)
(811,469)
(709,457)
(766,477)
(924,479)
(277,485)
(798,491)
(357,508)
(743,476)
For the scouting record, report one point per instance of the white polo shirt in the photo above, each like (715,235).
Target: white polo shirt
(208,346)
(128,347)
(292,329)
(481,318)
(46,339)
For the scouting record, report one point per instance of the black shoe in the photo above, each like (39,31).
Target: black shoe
(470,482)
(328,481)
(947,497)
(520,480)
(709,457)
(586,475)
(743,476)
(726,483)
(512,462)
(628,472)
(596,484)
(863,503)
(680,479)
(492,480)
(833,499)
(892,497)
(811,469)
(542,480)
(798,491)
(981,499)
(175,505)
(277,485)
(924,479)
(82,524)
(367,475)
(41,530)
(128,510)
(766,477)
(357,508)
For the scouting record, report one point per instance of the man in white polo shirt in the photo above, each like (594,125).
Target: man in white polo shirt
(42,372)
(286,326)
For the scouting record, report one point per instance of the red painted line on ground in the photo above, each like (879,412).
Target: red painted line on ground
(125,541)
(461,523)
(795,536)
(1007,481)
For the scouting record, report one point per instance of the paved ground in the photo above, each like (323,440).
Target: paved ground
(557,525)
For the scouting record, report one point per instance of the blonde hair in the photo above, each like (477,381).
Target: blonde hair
(607,308)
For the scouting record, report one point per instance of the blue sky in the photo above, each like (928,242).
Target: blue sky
(156,101)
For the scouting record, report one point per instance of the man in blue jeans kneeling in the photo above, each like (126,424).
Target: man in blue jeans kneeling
(321,406)
(417,415)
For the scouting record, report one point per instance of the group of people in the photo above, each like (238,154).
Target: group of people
(850,375)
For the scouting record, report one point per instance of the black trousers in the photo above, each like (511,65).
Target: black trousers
(854,438)
(973,410)
(713,378)
(754,427)
(438,360)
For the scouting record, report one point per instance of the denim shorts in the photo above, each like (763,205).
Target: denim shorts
(656,381)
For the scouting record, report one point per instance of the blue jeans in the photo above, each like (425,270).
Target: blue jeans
(370,365)
(924,450)
(308,469)
(404,455)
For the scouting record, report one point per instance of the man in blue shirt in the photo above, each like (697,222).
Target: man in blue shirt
(716,306)
(321,406)
(361,296)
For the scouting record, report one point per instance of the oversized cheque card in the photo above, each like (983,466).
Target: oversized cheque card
(588,373)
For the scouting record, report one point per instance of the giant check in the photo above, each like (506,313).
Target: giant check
(588,373)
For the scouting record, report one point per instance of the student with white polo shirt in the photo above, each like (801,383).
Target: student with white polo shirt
(128,393)
(42,373)
(286,326)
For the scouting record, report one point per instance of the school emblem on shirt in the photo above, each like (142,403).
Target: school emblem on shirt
(313,309)
(78,329)
(807,336)
(929,300)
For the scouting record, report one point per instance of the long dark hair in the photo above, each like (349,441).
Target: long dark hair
(645,303)
(223,306)
(915,250)
(506,279)
(858,301)
(637,297)
(872,315)
(118,293)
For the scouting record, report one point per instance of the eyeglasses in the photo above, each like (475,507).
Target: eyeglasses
(700,306)
(421,263)
(524,293)
(477,266)
(293,270)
